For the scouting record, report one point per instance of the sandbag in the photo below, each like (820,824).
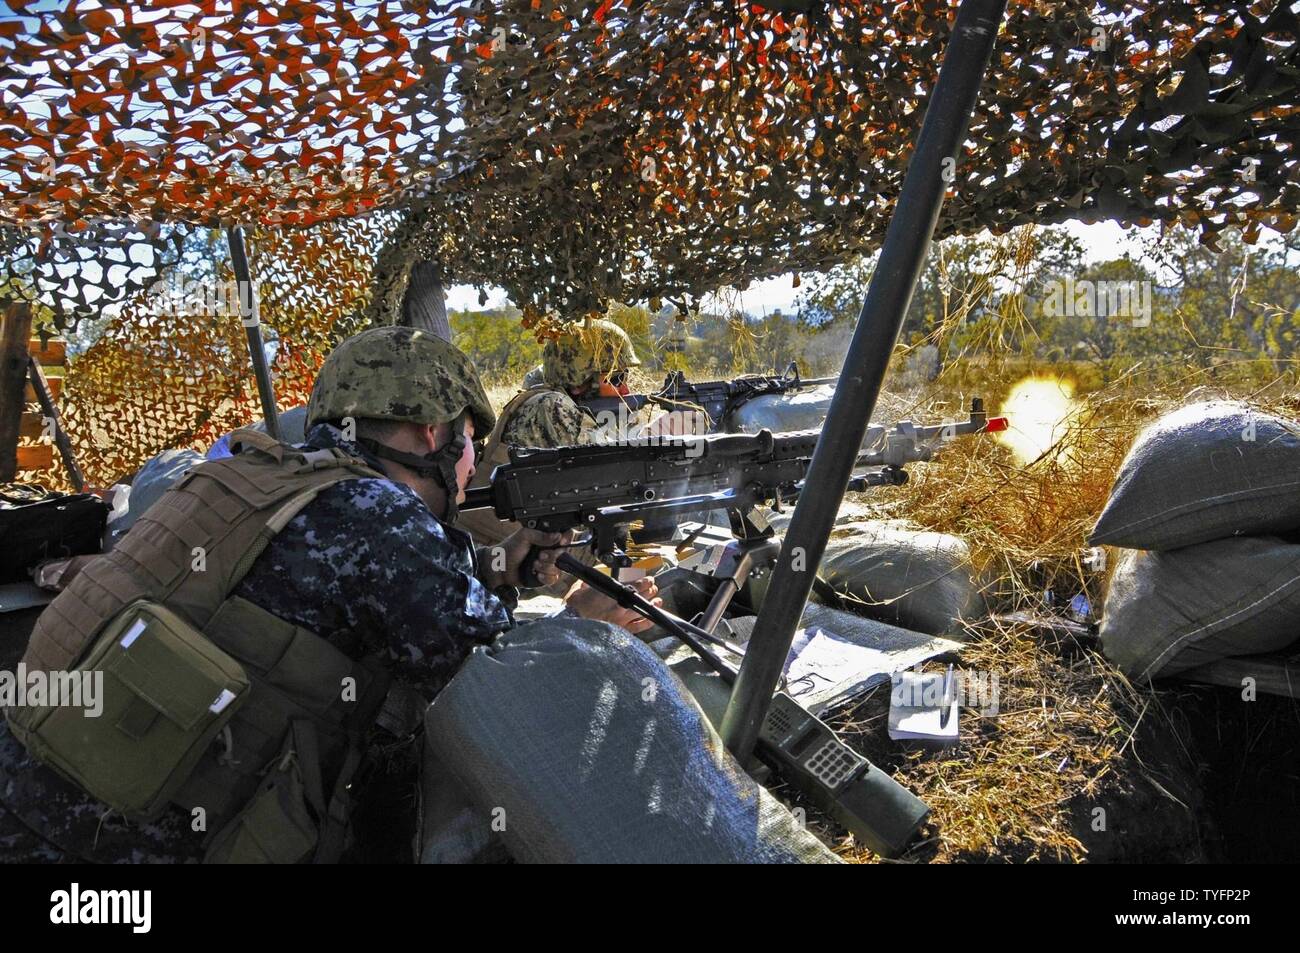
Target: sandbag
(153,480)
(780,413)
(451,829)
(577,739)
(902,575)
(293,426)
(849,512)
(1206,471)
(1167,612)
(806,410)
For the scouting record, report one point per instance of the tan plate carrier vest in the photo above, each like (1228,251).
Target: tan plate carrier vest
(296,715)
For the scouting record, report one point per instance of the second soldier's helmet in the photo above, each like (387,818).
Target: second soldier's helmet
(399,373)
(586,353)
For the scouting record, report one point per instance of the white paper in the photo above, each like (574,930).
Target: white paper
(916,708)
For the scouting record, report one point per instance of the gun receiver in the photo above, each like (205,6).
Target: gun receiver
(602,487)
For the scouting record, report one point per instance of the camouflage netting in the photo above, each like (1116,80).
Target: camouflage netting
(172,369)
(576,152)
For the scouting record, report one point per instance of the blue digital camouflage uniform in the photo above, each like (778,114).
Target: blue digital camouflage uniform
(367,566)
(367,556)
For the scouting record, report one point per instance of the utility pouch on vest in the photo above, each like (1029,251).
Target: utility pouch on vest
(279,825)
(164,691)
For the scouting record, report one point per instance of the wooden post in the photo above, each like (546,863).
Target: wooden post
(15,330)
(46,400)
(425,306)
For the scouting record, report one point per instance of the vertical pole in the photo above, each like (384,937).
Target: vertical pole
(907,240)
(15,332)
(46,399)
(248,313)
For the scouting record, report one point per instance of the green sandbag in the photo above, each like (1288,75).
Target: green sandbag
(1169,612)
(574,742)
(902,575)
(1206,471)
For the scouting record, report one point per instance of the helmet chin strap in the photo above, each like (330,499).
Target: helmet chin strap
(440,465)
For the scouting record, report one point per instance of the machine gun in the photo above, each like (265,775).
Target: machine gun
(604,487)
(716,398)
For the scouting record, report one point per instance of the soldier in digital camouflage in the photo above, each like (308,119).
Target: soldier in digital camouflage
(588,359)
(374,565)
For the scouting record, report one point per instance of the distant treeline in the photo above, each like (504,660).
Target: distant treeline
(1025,295)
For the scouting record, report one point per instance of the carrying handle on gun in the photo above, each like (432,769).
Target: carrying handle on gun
(738,444)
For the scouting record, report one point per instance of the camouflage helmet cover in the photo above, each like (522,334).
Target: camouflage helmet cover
(399,373)
(585,353)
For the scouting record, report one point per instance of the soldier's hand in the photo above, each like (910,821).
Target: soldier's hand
(515,549)
(590,604)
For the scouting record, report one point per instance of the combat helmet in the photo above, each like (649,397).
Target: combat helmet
(399,373)
(586,353)
(404,374)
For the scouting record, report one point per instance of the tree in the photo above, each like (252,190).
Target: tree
(968,296)
(494,341)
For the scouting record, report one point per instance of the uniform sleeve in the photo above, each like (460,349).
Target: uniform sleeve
(368,556)
(550,420)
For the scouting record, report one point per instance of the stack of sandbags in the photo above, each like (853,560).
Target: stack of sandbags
(1203,504)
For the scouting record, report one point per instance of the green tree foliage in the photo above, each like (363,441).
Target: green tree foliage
(970,296)
(494,340)
(497,344)
(1236,304)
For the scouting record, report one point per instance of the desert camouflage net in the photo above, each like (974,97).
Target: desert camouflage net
(581,151)
(172,369)
(577,152)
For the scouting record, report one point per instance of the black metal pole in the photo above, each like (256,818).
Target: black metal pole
(907,240)
(248,313)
